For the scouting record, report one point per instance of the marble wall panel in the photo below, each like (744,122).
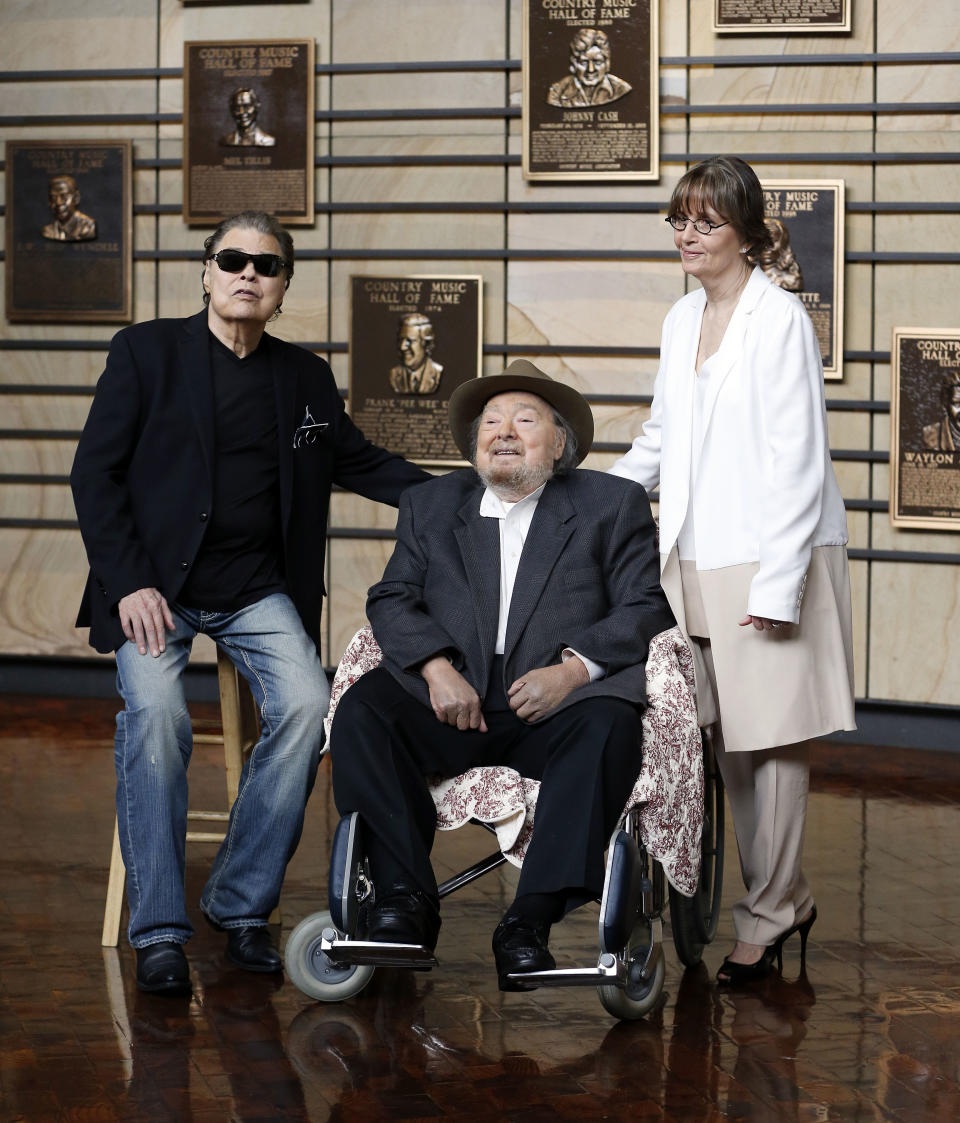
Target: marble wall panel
(914,296)
(591,303)
(380,31)
(444,231)
(848,430)
(98,34)
(36,501)
(42,573)
(353,567)
(37,457)
(858,528)
(915,632)
(859,599)
(51,368)
(44,411)
(181,23)
(853,478)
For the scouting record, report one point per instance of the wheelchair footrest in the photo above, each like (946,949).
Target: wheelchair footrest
(374,953)
(606,973)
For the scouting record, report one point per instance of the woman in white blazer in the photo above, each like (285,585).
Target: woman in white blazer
(752,539)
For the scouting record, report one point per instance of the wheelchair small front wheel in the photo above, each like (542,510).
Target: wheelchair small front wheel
(637,999)
(312,971)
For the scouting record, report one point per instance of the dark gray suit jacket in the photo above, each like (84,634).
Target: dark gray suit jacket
(589,579)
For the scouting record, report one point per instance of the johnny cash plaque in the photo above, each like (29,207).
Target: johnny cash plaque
(591,99)
(413,341)
(925,429)
(805,218)
(69,221)
(779,16)
(248,129)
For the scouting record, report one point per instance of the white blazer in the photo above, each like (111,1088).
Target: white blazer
(765,489)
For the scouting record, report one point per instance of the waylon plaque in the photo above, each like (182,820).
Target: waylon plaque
(248,129)
(590,90)
(413,341)
(781,16)
(69,222)
(805,218)
(925,429)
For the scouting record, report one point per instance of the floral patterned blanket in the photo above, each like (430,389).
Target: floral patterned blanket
(668,791)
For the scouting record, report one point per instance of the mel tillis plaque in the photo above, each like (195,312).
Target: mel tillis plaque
(413,340)
(590,90)
(925,429)
(248,129)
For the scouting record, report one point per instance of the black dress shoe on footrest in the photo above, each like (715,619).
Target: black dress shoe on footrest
(520,946)
(253,949)
(404,915)
(163,969)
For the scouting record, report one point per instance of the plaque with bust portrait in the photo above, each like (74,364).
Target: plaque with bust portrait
(413,341)
(925,428)
(248,135)
(806,219)
(69,222)
(591,90)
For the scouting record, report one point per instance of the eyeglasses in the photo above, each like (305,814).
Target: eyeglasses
(234,261)
(701,225)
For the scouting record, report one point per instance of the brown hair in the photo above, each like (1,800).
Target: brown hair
(730,186)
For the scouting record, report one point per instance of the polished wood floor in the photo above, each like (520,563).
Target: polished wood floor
(872,1032)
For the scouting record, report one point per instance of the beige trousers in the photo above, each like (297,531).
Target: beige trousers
(767,791)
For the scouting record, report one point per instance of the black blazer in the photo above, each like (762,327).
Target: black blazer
(589,579)
(142,476)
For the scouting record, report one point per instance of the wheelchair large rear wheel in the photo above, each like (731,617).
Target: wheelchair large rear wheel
(693,920)
(310,968)
(637,999)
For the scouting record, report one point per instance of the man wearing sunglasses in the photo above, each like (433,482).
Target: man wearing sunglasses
(202,484)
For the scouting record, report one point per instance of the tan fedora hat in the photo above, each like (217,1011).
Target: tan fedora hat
(469,398)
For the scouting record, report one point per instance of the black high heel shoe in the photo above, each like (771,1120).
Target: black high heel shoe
(736,974)
(804,929)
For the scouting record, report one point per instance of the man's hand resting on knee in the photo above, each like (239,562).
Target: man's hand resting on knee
(146,618)
(453,699)
(539,691)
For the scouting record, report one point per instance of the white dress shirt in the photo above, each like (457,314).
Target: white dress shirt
(515,520)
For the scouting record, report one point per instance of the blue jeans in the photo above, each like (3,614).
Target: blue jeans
(268,644)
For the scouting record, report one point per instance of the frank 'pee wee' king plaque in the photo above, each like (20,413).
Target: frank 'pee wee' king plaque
(591,100)
(413,341)
(248,129)
(805,218)
(925,429)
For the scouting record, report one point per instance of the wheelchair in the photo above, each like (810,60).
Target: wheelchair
(663,852)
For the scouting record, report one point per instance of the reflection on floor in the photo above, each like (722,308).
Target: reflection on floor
(872,1033)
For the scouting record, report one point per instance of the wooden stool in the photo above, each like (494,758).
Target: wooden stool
(239,732)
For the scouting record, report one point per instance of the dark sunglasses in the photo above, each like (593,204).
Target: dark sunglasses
(234,261)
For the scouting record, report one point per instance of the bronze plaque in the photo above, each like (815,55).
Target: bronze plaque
(779,16)
(806,219)
(248,129)
(413,340)
(925,429)
(69,223)
(591,99)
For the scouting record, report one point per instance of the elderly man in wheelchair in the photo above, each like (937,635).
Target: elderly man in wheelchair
(514,619)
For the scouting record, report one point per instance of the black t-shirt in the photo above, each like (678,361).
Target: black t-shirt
(240,559)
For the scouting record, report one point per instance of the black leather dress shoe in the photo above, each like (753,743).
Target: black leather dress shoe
(253,949)
(163,969)
(520,945)
(404,915)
